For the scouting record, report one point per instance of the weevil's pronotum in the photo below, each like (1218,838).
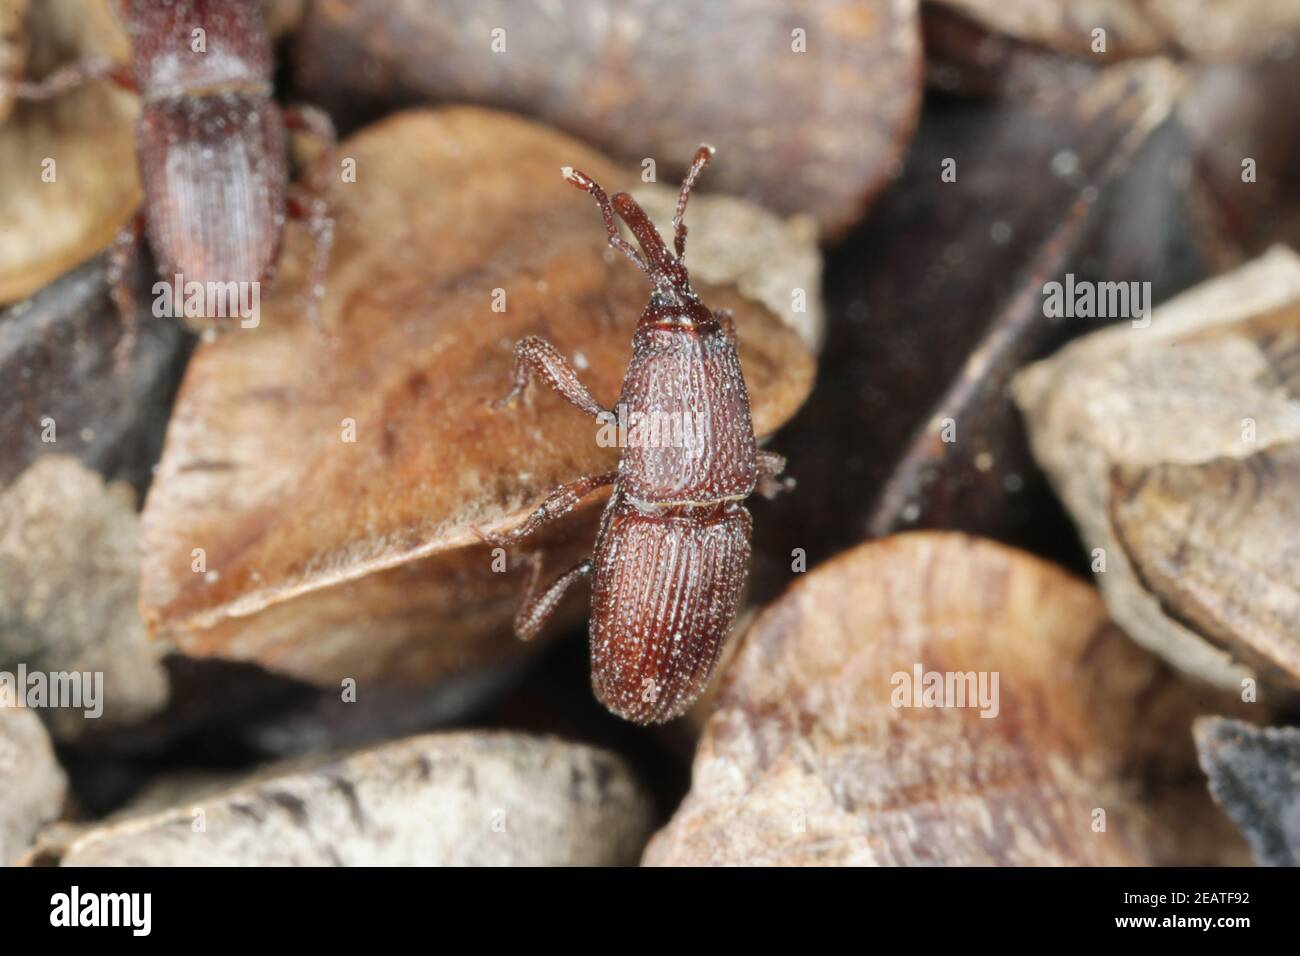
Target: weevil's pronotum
(672,552)
(211,143)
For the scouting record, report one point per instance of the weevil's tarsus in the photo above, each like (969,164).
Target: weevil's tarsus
(539,605)
(557,504)
(770,480)
(536,356)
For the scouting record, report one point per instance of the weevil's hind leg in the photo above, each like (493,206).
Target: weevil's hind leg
(559,502)
(68,77)
(536,356)
(727,319)
(307,203)
(539,605)
(122,259)
(770,481)
(314,211)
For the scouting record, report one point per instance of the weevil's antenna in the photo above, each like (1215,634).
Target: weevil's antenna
(700,160)
(587,184)
(666,270)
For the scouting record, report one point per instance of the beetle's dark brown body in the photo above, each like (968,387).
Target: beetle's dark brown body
(672,552)
(212,146)
(212,143)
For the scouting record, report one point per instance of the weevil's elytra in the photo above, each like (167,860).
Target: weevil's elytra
(667,587)
(672,552)
(214,173)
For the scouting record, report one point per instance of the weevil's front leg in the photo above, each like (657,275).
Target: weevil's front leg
(559,502)
(68,77)
(770,483)
(314,211)
(536,356)
(538,605)
(122,258)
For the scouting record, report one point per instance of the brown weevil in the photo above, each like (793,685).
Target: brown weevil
(672,551)
(212,147)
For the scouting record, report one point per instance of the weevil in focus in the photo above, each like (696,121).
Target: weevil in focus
(672,551)
(212,147)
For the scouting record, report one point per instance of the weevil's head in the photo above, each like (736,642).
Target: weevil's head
(673,303)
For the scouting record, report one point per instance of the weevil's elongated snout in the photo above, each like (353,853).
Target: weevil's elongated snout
(666,271)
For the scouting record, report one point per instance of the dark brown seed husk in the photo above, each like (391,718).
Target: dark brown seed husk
(817,132)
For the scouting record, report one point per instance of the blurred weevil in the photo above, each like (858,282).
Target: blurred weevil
(212,147)
(672,552)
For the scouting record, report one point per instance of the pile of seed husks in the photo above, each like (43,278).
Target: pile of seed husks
(1012,296)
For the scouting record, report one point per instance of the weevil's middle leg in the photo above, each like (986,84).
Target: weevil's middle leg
(770,482)
(314,211)
(538,605)
(122,258)
(539,357)
(559,502)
